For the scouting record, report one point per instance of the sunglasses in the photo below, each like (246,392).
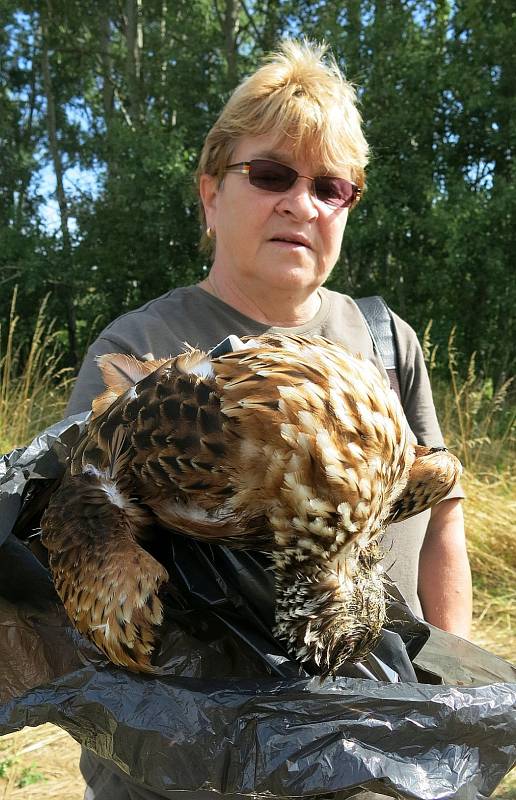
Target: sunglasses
(275,177)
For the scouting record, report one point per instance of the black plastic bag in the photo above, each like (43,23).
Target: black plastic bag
(230,712)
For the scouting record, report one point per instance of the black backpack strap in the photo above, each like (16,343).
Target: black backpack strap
(380,324)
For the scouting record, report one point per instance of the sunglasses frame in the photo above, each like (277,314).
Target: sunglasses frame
(244,168)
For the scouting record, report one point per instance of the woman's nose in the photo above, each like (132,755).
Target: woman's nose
(300,200)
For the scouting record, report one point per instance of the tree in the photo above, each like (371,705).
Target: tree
(121,96)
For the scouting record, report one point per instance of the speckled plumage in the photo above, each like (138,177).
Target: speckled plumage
(292,445)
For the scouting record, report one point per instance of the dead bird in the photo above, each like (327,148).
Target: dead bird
(290,445)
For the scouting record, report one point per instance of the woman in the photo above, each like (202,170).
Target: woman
(278,175)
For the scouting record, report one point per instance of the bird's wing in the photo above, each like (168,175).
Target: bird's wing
(108,583)
(433,475)
(173,454)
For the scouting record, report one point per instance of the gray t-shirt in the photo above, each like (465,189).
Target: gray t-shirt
(161,327)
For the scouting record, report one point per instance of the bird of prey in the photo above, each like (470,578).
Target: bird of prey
(290,445)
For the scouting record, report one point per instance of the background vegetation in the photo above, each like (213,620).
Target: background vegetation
(104,106)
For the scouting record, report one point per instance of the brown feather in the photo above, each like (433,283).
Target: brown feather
(89,565)
(432,476)
(120,372)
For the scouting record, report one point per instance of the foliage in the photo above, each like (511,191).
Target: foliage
(103,112)
(5,763)
(28,776)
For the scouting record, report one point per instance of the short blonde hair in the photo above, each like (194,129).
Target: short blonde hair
(301,93)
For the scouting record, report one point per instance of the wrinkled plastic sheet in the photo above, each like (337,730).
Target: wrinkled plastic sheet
(229,711)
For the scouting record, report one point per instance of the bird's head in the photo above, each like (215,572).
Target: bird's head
(333,613)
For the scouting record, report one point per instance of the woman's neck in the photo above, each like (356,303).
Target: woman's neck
(286,311)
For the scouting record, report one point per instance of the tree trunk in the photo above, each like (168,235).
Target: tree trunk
(106,65)
(134,42)
(353,29)
(229,25)
(60,192)
(26,136)
(164,115)
(272,25)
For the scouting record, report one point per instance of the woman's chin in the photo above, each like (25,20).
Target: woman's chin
(287,276)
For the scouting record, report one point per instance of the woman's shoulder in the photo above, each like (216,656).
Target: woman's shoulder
(338,300)
(403,327)
(157,309)
(347,310)
(162,324)
(407,341)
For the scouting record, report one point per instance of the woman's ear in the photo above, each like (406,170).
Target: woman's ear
(208,190)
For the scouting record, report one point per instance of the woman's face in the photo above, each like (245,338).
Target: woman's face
(267,240)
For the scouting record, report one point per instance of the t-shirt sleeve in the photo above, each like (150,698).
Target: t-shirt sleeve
(416,391)
(89,381)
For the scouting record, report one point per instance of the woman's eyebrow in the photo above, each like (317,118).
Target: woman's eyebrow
(285,158)
(274,155)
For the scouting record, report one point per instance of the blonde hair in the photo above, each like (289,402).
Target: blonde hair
(301,93)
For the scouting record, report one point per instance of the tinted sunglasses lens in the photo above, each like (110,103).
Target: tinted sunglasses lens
(337,191)
(271,176)
(275,177)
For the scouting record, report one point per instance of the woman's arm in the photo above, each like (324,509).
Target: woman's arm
(444,577)
(444,584)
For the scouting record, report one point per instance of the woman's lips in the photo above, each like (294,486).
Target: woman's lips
(291,243)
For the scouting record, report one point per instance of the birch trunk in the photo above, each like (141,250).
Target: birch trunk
(134,43)
(106,66)
(228,21)
(60,191)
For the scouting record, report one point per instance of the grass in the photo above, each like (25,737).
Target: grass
(33,385)
(490,511)
(478,417)
(478,421)
(40,764)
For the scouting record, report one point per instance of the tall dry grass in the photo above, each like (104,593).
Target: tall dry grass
(44,762)
(478,423)
(490,513)
(33,384)
(477,417)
